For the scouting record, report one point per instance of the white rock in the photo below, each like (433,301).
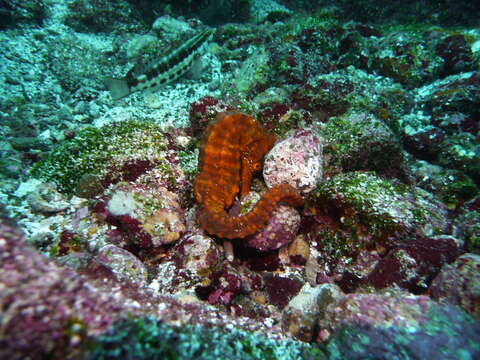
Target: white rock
(297,161)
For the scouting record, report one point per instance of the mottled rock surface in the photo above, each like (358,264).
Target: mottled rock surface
(296,160)
(459,284)
(383,326)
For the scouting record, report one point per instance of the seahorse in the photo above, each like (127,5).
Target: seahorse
(231,151)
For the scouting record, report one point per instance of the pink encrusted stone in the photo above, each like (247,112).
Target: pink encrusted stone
(397,309)
(279,231)
(459,284)
(123,264)
(297,161)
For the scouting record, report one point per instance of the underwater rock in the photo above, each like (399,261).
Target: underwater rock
(314,272)
(425,144)
(70,242)
(280,290)
(382,326)
(459,284)
(455,121)
(300,316)
(382,208)
(462,152)
(202,112)
(413,266)
(169,27)
(360,218)
(279,231)
(18,12)
(253,73)
(198,254)
(444,117)
(123,264)
(46,199)
(280,118)
(268,10)
(296,160)
(95,16)
(89,186)
(47,309)
(27,143)
(445,13)
(272,95)
(224,285)
(50,308)
(452,186)
(360,141)
(456,53)
(407,59)
(326,95)
(467,225)
(78,69)
(121,151)
(150,216)
(299,250)
(455,93)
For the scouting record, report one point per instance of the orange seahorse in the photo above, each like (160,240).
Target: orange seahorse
(230,153)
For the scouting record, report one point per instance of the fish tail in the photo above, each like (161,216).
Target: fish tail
(118,87)
(231,227)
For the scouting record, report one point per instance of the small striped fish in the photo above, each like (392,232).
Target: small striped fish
(167,69)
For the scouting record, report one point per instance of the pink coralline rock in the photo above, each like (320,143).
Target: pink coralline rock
(50,312)
(279,231)
(224,285)
(401,310)
(44,308)
(227,284)
(123,264)
(297,161)
(191,261)
(459,284)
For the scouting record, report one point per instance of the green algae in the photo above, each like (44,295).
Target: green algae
(103,152)
(147,338)
(377,204)
(361,142)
